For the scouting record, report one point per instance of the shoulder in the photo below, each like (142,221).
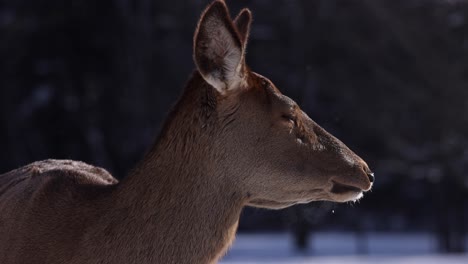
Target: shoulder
(56,180)
(77,172)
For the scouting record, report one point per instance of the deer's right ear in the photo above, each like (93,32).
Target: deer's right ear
(218,50)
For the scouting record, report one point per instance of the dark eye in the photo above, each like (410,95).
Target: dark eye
(289,118)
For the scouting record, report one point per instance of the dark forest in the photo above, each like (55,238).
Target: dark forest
(93,81)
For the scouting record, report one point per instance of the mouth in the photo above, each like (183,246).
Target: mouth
(341,192)
(339,188)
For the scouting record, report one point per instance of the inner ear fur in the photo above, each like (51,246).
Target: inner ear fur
(218,49)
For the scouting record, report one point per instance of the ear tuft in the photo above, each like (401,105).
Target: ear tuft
(218,50)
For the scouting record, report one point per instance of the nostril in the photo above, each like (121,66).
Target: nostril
(371,176)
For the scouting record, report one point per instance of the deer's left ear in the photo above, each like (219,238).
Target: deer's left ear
(218,49)
(242,22)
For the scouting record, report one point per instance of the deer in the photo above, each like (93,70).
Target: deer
(232,140)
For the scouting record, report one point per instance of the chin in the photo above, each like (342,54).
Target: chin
(304,197)
(346,197)
(339,195)
(270,204)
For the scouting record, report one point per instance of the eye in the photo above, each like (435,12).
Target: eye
(289,118)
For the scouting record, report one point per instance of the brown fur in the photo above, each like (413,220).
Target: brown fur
(219,150)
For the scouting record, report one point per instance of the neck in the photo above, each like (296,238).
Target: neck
(176,207)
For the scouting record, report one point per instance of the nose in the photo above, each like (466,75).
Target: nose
(371,176)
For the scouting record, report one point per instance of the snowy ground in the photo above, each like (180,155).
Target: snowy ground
(340,248)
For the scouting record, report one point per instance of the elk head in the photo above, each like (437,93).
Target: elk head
(266,143)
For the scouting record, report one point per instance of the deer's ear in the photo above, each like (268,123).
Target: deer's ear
(218,50)
(242,22)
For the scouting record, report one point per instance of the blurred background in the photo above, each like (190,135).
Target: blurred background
(93,80)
